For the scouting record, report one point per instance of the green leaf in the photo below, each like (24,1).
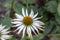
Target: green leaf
(6,21)
(29,1)
(51,6)
(58,29)
(38,37)
(18,8)
(58,9)
(57,17)
(48,28)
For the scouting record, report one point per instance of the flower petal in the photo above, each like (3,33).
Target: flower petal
(36,24)
(19,27)
(3,39)
(35,28)
(24,31)
(16,22)
(35,15)
(32,13)
(19,16)
(36,19)
(29,31)
(4,30)
(16,19)
(23,13)
(1,28)
(22,27)
(5,36)
(26,12)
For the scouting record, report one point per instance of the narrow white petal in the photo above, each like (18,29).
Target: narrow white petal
(22,27)
(19,16)
(19,27)
(16,22)
(41,29)
(16,19)
(36,24)
(26,12)
(4,33)
(24,31)
(35,15)
(3,39)
(32,13)
(5,36)
(29,31)
(23,13)
(4,30)
(41,23)
(36,19)
(35,29)
(2,27)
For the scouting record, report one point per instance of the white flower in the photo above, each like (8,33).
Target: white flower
(3,33)
(27,23)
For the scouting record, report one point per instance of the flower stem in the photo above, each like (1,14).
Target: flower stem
(12,4)
(12,12)
(27,3)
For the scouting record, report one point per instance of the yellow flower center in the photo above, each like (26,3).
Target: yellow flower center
(27,20)
(0,35)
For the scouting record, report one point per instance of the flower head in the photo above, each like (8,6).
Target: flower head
(27,23)
(3,33)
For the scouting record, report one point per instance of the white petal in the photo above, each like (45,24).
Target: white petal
(35,15)
(16,22)
(36,24)
(1,28)
(22,27)
(4,33)
(26,12)
(16,19)
(36,19)
(5,36)
(29,31)
(41,29)
(4,30)
(1,25)
(23,13)
(3,39)
(41,23)
(24,31)
(19,27)
(19,16)
(35,28)
(32,13)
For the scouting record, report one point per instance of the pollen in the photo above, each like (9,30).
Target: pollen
(27,20)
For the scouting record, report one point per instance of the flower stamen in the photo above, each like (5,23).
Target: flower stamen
(27,20)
